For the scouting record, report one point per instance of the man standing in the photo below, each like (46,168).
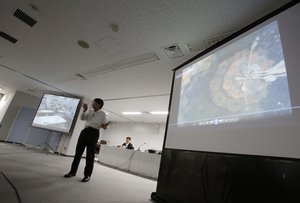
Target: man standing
(95,119)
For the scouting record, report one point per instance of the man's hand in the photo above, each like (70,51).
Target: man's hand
(104,125)
(85,107)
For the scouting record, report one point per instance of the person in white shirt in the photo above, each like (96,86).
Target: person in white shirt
(95,119)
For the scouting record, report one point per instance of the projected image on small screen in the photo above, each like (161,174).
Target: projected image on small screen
(56,113)
(244,80)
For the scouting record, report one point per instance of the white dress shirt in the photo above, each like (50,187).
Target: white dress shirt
(93,118)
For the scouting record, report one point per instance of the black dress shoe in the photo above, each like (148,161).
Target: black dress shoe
(85,179)
(69,175)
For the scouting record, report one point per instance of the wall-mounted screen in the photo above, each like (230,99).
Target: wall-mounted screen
(243,96)
(57,113)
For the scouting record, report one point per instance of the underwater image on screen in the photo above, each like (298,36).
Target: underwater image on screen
(244,80)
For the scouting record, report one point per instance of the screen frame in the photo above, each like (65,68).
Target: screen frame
(212,48)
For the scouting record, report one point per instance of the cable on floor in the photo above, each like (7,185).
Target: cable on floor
(15,189)
(9,153)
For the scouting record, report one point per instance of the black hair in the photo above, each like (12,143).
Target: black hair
(100,102)
(129,138)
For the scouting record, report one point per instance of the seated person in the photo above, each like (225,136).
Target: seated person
(127,144)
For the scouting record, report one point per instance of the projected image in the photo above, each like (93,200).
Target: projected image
(244,80)
(56,113)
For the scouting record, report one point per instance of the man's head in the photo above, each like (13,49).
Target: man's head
(128,139)
(97,104)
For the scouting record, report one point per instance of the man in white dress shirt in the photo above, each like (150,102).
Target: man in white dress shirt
(95,119)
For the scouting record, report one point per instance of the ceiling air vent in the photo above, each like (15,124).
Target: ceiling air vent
(8,37)
(173,51)
(124,64)
(120,65)
(138,60)
(24,17)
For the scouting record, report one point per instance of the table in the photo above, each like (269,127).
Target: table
(142,163)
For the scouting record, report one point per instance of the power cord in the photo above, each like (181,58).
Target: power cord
(128,160)
(15,189)
(14,153)
(131,156)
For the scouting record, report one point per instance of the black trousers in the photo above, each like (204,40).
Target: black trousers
(88,138)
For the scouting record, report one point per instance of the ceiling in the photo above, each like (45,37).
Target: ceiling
(126,63)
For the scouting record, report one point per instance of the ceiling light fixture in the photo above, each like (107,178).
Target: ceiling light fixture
(159,112)
(132,113)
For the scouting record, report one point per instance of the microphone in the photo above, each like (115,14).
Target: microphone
(139,148)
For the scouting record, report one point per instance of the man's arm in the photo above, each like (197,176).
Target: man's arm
(83,115)
(104,125)
(130,146)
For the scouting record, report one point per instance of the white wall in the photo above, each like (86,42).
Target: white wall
(15,100)
(150,133)
(4,103)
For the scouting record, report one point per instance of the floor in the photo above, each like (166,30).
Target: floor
(38,177)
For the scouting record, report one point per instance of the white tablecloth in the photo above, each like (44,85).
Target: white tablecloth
(138,162)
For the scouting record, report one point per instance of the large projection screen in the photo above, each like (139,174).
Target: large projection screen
(57,113)
(244,96)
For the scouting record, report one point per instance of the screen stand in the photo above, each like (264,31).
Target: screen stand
(44,143)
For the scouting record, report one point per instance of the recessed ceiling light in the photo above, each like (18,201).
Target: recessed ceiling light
(132,113)
(83,44)
(159,112)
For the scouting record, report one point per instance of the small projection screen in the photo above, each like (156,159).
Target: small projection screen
(57,113)
(243,96)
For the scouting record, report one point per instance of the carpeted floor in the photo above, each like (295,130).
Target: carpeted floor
(38,178)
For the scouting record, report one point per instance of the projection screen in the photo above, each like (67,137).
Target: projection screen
(57,113)
(242,97)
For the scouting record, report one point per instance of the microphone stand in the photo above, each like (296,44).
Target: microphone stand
(139,148)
